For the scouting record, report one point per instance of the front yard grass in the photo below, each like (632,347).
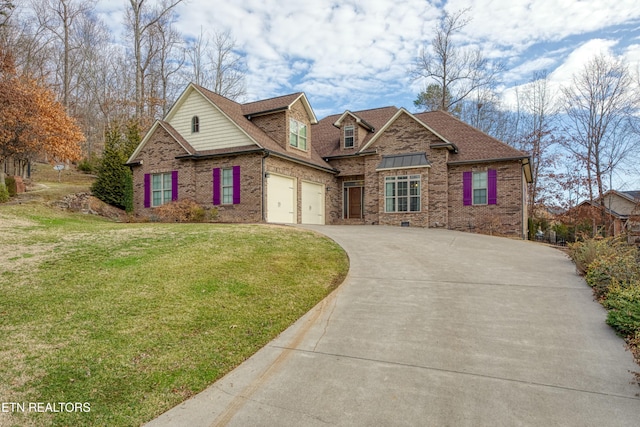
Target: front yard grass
(132,319)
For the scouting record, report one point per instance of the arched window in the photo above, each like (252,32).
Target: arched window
(195,124)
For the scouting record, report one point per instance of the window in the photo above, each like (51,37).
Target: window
(480,188)
(297,134)
(227,186)
(348,136)
(160,189)
(402,193)
(195,124)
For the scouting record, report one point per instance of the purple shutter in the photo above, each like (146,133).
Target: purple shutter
(174,185)
(147,190)
(216,186)
(467,188)
(492,191)
(236,185)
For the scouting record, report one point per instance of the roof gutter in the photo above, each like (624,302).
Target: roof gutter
(502,159)
(257,150)
(215,155)
(346,156)
(262,113)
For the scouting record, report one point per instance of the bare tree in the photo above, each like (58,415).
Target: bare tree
(538,137)
(600,105)
(216,65)
(171,59)
(459,71)
(141,19)
(64,20)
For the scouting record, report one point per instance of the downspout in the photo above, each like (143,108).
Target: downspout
(264,194)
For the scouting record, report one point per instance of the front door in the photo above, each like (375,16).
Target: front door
(353,203)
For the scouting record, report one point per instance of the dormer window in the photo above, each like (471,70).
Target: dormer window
(348,136)
(297,134)
(195,124)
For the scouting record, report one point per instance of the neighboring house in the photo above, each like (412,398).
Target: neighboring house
(621,213)
(273,161)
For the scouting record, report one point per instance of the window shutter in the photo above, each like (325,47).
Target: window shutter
(236,185)
(147,190)
(467,188)
(216,186)
(492,190)
(174,185)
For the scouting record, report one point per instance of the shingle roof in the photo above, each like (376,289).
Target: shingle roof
(473,144)
(236,112)
(326,137)
(635,194)
(272,104)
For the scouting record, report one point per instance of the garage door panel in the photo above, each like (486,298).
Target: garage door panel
(312,203)
(281,199)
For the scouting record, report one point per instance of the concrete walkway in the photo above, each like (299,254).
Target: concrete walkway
(435,328)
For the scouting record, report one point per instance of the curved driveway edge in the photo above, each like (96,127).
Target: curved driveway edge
(435,327)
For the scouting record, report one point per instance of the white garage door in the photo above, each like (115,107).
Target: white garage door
(312,203)
(281,199)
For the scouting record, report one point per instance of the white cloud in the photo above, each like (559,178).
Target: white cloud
(356,53)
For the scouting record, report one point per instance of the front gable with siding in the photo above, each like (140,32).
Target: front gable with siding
(273,161)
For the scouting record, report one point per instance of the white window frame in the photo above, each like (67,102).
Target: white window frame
(349,129)
(160,192)
(480,188)
(405,198)
(298,134)
(195,124)
(226,182)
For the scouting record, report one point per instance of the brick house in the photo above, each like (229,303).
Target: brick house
(273,161)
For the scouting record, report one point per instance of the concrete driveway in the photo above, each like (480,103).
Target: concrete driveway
(435,328)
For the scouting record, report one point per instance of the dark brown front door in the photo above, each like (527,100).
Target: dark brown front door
(354,196)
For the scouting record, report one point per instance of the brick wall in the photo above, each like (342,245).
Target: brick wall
(504,218)
(158,156)
(249,210)
(332,203)
(276,125)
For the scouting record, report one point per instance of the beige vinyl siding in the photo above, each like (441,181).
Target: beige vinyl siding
(216,130)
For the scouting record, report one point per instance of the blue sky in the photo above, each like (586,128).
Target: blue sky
(354,54)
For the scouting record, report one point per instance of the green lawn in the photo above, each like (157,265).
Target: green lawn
(134,318)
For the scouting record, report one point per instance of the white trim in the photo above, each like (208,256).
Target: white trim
(358,120)
(307,106)
(148,135)
(393,119)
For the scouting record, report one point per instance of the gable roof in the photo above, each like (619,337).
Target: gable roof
(171,131)
(236,113)
(400,112)
(280,103)
(473,144)
(358,120)
(326,137)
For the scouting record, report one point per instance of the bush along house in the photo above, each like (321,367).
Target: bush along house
(274,161)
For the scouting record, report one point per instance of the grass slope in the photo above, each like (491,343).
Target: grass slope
(135,318)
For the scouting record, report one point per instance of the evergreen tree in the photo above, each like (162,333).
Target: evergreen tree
(114,184)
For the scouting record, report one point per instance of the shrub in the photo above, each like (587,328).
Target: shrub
(185,210)
(4,193)
(11,185)
(89,164)
(584,253)
(624,306)
(620,267)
